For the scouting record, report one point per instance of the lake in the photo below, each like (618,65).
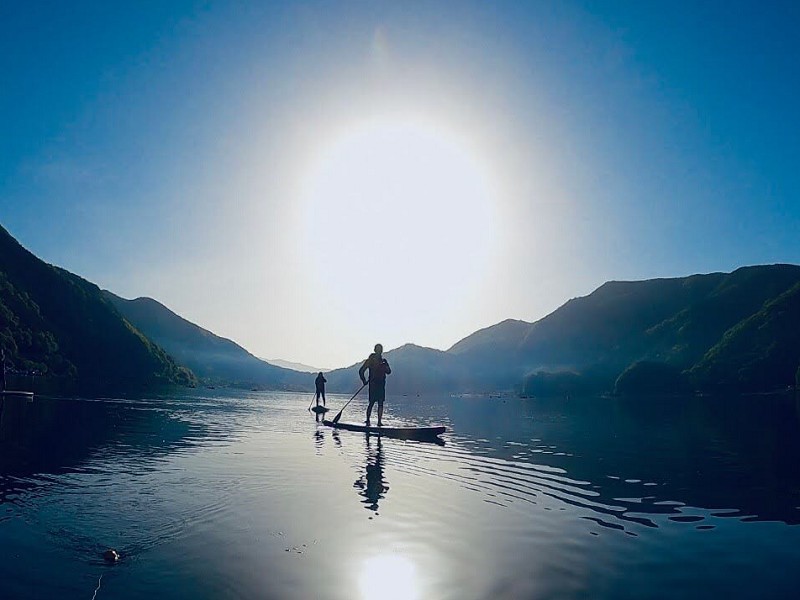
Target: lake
(231,494)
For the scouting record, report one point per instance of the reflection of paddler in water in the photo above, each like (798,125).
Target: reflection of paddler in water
(378,370)
(372,485)
(319,439)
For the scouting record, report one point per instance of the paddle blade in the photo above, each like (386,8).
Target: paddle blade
(337,417)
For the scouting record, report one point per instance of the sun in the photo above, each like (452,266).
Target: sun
(399,212)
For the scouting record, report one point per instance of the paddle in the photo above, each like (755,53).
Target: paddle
(339,416)
(312,401)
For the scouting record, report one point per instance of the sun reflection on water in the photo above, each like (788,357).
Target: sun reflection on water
(388,577)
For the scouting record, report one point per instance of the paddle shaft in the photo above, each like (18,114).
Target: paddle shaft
(339,416)
(312,400)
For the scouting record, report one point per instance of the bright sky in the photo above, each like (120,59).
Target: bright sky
(311,178)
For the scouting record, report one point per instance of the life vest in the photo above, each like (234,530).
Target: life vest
(377,367)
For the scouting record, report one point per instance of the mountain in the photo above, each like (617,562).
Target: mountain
(674,322)
(59,325)
(735,331)
(508,333)
(415,369)
(714,331)
(294,366)
(671,321)
(760,352)
(212,358)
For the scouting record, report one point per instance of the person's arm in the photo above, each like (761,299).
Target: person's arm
(361,371)
(386,368)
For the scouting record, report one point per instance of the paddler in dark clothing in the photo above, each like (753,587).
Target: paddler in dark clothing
(320,383)
(378,370)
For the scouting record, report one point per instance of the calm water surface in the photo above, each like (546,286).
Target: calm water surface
(227,494)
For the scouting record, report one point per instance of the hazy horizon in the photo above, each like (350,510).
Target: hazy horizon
(308,180)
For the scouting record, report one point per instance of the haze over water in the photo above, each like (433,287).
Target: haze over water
(225,494)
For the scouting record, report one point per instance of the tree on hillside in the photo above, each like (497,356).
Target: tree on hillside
(646,377)
(758,354)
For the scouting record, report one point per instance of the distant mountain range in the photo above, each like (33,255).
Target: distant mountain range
(214,359)
(295,366)
(736,331)
(415,369)
(59,326)
(721,331)
(684,323)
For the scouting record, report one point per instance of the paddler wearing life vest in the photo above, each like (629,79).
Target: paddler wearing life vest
(378,370)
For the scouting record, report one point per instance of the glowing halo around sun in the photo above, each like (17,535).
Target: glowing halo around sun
(400,212)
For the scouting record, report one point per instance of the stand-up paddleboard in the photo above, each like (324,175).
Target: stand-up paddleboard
(403,433)
(319,409)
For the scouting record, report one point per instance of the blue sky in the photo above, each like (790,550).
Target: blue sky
(163,149)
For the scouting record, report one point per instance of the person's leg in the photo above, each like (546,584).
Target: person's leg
(369,409)
(380,396)
(317,397)
(323,397)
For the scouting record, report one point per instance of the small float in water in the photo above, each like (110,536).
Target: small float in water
(111,556)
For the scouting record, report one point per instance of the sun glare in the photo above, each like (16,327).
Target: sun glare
(388,577)
(403,207)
